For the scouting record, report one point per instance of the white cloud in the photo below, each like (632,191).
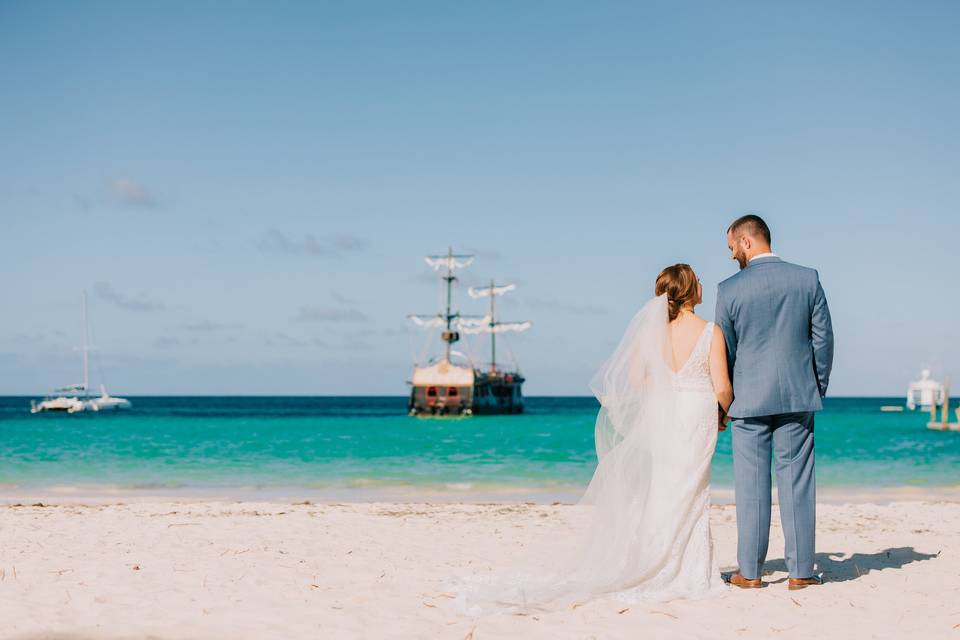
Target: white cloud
(275,241)
(564,307)
(208,326)
(131,193)
(105,291)
(166,342)
(330,314)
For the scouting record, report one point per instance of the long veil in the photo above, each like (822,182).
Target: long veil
(631,517)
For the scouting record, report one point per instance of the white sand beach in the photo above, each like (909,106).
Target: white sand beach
(163,569)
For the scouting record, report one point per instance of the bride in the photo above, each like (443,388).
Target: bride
(663,396)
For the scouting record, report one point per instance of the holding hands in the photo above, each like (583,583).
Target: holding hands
(722,419)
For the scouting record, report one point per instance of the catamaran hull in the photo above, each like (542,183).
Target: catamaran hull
(65,405)
(75,405)
(108,404)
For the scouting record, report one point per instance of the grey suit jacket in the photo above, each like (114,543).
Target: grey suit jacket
(779,337)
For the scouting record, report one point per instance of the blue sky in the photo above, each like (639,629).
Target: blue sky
(246,190)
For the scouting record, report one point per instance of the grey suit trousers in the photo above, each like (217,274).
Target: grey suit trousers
(789,437)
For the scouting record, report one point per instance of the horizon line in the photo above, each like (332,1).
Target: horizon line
(403,396)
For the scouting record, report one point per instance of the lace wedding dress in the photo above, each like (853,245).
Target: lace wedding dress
(647,536)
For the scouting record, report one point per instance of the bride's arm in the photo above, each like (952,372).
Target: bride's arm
(718,370)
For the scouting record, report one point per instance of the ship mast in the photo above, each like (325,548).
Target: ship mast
(493,326)
(451,322)
(493,334)
(449,336)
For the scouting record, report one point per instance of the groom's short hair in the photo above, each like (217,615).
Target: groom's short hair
(750,225)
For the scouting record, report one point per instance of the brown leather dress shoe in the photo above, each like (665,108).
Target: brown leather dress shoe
(802,583)
(738,580)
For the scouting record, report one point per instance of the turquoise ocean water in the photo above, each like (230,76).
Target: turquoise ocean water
(370,444)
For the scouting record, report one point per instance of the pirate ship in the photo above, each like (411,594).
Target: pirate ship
(444,387)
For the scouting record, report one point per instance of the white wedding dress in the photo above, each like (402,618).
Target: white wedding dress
(647,533)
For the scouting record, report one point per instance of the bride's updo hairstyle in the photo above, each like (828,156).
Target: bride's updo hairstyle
(679,282)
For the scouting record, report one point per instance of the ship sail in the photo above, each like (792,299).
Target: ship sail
(468,322)
(492,325)
(428,322)
(498,327)
(483,292)
(458,320)
(450,261)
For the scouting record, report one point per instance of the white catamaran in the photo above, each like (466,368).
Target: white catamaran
(76,398)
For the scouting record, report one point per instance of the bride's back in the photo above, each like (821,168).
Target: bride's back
(684,334)
(682,288)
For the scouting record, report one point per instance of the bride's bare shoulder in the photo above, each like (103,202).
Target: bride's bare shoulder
(700,322)
(703,322)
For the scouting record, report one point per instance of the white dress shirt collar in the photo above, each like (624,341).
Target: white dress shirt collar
(769,254)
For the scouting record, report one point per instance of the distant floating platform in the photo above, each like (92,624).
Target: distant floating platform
(943,424)
(939,426)
(891,407)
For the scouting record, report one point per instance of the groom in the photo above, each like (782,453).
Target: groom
(779,338)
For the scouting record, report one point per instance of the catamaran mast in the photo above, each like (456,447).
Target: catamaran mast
(85,348)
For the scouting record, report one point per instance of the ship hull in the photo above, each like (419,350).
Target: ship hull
(431,400)
(488,395)
(494,394)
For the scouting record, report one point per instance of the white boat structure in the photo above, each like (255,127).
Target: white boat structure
(76,398)
(925,393)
